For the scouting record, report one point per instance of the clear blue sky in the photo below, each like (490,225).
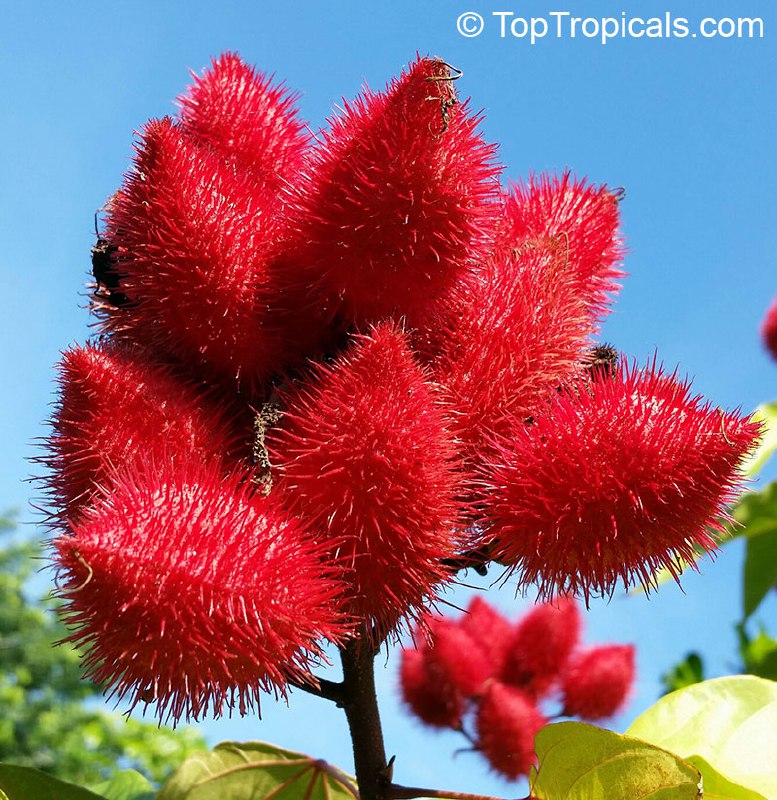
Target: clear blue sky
(687,126)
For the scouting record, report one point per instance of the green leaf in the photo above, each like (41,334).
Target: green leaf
(127,784)
(582,762)
(730,722)
(235,771)
(685,673)
(718,787)
(756,512)
(760,574)
(766,414)
(759,655)
(26,783)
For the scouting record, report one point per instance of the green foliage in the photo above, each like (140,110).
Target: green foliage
(730,723)
(46,720)
(759,654)
(686,673)
(25,783)
(126,784)
(757,513)
(581,762)
(255,770)
(716,787)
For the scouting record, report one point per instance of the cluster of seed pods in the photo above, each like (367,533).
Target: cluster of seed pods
(334,369)
(490,678)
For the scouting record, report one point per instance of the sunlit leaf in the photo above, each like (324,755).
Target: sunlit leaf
(756,512)
(235,771)
(126,784)
(729,722)
(718,787)
(766,414)
(26,783)
(581,762)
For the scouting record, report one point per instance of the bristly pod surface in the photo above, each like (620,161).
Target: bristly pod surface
(334,370)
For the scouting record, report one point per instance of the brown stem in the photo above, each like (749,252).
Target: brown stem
(407,792)
(329,690)
(361,709)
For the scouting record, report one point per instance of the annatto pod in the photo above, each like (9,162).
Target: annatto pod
(194,248)
(517,335)
(507,722)
(769,330)
(434,701)
(117,403)
(541,644)
(597,682)
(188,591)
(580,222)
(251,123)
(458,658)
(614,481)
(399,199)
(364,456)
(489,628)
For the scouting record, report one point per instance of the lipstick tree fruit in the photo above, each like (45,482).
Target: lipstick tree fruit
(333,372)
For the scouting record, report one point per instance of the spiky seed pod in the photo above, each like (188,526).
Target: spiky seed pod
(116,403)
(507,722)
(489,628)
(188,591)
(364,455)
(518,334)
(576,219)
(458,658)
(541,645)
(769,330)
(597,681)
(434,701)
(400,198)
(250,122)
(195,244)
(614,482)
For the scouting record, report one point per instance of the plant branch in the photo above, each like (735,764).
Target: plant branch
(396,792)
(328,690)
(361,709)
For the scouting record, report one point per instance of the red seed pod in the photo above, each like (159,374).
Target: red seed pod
(196,248)
(541,644)
(457,658)
(116,404)
(400,198)
(597,682)
(489,629)
(615,482)
(507,722)
(517,335)
(247,120)
(432,700)
(578,220)
(188,591)
(364,455)
(769,330)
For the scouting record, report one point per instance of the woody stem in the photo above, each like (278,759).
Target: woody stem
(360,703)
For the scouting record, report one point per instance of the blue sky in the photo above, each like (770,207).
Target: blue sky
(686,126)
